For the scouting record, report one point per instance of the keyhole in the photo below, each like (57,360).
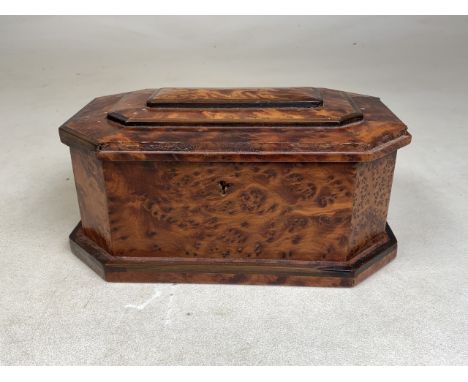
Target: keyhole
(224,186)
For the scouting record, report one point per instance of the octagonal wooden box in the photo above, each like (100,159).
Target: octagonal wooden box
(249,186)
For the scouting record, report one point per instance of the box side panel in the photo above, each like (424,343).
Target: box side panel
(230,210)
(90,187)
(372,197)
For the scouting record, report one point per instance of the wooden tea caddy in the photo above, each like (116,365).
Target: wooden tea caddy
(248,186)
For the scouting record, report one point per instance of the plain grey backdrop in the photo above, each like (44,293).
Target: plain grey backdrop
(55,310)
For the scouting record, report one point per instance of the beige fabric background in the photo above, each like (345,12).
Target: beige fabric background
(55,310)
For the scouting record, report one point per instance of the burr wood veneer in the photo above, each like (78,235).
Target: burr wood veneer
(249,186)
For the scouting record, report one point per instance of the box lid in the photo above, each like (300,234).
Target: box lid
(243,124)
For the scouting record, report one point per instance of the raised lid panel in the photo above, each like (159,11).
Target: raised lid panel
(237,107)
(303,97)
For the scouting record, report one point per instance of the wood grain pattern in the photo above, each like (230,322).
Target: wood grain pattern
(92,199)
(373,184)
(379,133)
(325,274)
(259,203)
(287,210)
(338,110)
(235,97)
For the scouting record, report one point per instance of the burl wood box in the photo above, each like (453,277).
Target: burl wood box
(248,186)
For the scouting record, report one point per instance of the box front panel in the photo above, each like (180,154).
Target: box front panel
(293,211)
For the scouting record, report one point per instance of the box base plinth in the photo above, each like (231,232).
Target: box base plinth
(220,271)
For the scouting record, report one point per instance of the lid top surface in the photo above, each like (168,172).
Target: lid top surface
(262,124)
(235,97)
